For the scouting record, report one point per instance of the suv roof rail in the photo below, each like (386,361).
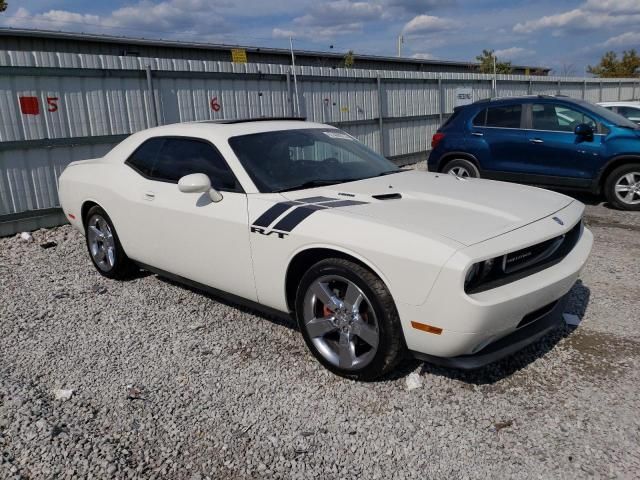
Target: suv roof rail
(258,119)
(539,95)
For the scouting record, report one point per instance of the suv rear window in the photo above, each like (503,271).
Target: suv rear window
(507,116)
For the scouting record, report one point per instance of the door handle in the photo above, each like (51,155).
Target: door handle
(149,196)
(477,134)
(536,140)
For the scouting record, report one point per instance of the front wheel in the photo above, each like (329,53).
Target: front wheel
(348,319)
(461,168)
(104,246)
(622,187)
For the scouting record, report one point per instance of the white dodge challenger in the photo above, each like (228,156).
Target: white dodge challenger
(300,218)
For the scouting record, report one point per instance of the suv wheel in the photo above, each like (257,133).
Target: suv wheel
(461,168)
(348,319)
(622,187)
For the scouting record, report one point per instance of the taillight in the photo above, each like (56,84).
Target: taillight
(437,138)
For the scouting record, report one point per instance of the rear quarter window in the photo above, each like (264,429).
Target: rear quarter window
(504,116)
(144,157)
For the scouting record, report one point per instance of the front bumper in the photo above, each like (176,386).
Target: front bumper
(473,323)
(506,346)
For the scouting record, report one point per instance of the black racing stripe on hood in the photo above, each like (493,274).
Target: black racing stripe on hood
(272,213)
(315,199)
(293,219)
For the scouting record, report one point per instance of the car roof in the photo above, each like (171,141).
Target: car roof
(231,128)
(621,103)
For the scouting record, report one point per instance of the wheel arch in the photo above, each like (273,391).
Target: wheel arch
(84,210)
(611,165)
(303,259)
(449,156)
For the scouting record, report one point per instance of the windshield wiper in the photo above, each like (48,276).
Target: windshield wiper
(316,183)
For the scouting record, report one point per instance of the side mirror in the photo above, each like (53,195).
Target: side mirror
(584,130)
(198,183)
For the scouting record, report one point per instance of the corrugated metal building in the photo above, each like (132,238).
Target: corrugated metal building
(76,101)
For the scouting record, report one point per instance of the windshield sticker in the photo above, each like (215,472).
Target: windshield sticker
(340,135)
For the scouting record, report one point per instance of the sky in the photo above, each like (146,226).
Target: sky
(566,35)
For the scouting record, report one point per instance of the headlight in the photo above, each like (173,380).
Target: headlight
(478,272)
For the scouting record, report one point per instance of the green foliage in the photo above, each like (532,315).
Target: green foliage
(612,67)
(349,59)
(486,63)
(3,5)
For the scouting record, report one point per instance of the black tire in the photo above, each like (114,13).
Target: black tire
(616,177)
(390,347)
(122,268)
(465,168)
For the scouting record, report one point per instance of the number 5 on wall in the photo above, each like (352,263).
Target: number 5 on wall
(53,104)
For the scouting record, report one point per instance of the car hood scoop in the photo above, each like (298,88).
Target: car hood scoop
(467,212)
(388,196)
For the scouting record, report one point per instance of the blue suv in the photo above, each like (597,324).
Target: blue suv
(544,140)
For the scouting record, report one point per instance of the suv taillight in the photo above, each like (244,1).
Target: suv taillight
(437,138)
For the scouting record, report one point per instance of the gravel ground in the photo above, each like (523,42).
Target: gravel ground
(169,383)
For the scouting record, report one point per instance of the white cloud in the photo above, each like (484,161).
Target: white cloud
(627,39)
(340,12)
(281,33)
(51,20)
(592,15)
(427,24)
(331,19)
(614,6)
(512,52)
(172,17)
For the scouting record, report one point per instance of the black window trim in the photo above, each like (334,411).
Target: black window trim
(239,188)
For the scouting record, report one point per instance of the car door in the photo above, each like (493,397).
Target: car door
(496,138)
(554,151)
(186,234)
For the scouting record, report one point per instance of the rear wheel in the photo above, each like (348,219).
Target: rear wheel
(104,246)
(622,187)
(348,319)
(461,168)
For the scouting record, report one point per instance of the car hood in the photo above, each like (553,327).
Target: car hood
(467,211)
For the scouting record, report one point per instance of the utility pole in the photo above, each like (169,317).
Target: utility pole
(495,78)
(295,77)
(400,42)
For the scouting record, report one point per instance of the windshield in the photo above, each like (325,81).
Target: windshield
(610,116)
(304,158)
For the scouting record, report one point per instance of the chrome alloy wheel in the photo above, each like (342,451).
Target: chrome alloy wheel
(341,322)
(460,172)
(102,245)
(628,188)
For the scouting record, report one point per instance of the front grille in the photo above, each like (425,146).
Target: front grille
(527,261)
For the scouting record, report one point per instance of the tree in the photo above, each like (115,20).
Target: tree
(486,63)
(567,70)
(611,67)
(3,5)
(349,59)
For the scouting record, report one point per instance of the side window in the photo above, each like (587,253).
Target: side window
(558,118)
(145,156)
(631,113)
(480,119)
(179,157)
(507,116)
